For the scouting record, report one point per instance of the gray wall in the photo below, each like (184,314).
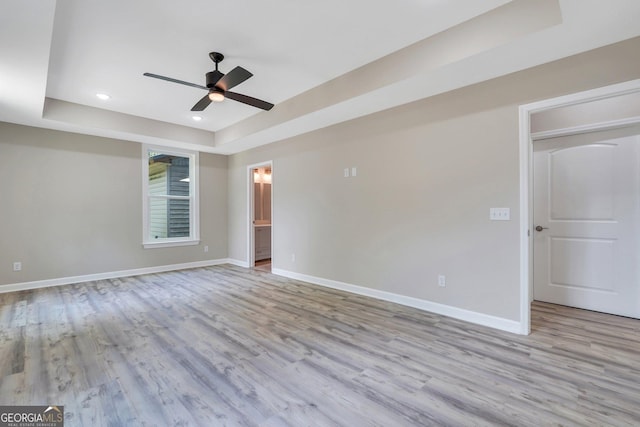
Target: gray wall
(71,205)
(428,172)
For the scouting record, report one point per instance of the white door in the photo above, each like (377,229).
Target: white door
(587,226)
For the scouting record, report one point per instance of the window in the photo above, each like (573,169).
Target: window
(170,197)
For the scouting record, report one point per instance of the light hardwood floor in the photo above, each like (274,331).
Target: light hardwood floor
(239,347)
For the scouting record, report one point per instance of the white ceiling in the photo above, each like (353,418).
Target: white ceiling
(319,62)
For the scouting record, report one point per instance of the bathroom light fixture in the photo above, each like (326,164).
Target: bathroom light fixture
(103,96)
(262,176)
(196,118)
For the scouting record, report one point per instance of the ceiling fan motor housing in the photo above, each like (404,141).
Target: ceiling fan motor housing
(212,78)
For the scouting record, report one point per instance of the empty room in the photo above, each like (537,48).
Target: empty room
(354,213)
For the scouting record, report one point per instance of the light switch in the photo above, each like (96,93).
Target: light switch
(346,172)
(353,171)
(500,214)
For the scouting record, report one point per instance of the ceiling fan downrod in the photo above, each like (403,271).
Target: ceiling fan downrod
(216,57)
(213,77)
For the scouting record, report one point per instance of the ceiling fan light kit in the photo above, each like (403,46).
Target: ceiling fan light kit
(216,95)
(218,85)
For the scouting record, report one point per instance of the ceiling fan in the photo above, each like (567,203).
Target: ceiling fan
(218,85)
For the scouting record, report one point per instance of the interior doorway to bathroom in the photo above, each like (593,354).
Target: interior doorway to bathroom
(260,227)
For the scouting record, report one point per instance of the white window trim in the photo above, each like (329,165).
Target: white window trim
(194,208)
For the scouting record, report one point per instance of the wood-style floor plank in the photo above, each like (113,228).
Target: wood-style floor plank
(227,346)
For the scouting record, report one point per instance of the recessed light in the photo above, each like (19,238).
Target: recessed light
(103,96)
(196,118)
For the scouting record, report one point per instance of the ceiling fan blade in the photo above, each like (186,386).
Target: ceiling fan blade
(233,78)
(254,102)
(202,104)
(169,79)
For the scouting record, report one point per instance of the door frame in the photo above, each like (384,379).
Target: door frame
(251,239)
(526,171)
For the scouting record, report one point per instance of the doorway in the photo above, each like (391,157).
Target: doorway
(530,137)
(586,216)
(260,228)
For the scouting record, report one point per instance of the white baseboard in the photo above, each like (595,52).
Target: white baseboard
(238,262)
(445,310)
(109,275)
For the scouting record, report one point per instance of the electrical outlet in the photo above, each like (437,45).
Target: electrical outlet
(206,248)
(17,266)
(442,281)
